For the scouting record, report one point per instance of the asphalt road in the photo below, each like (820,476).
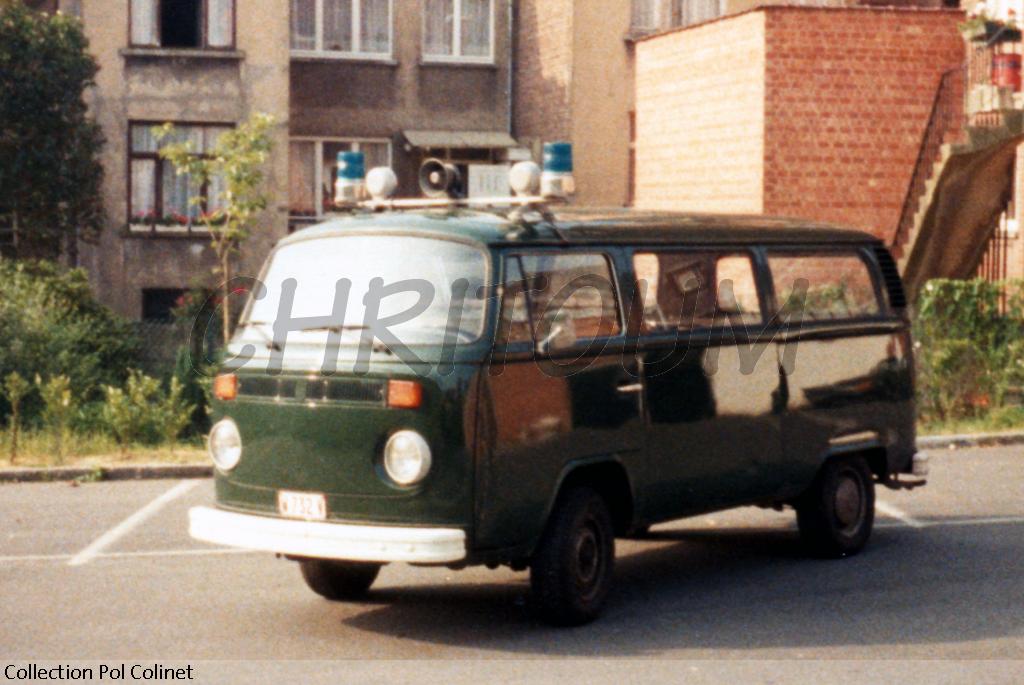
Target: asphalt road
(106,573)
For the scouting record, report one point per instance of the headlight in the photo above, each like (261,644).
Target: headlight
(407,457)
(225,445)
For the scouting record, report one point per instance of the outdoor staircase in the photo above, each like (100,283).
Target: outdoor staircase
(959,188)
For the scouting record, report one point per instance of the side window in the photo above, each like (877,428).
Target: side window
(832,286)
(691,290)
(572,297)
(514,325)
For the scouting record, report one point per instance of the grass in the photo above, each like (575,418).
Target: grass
(993,421)
(38,449)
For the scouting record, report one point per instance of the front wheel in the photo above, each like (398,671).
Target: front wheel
(571,572)
(338,580)
(837,513)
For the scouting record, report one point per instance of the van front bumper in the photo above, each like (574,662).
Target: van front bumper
(341,541)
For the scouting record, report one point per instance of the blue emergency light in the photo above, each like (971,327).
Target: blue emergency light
(557,179)
(351,183)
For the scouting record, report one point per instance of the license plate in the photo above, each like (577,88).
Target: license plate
(302,505)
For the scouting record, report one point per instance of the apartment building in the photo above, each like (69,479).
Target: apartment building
(400,80)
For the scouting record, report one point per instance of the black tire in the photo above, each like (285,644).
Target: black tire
(837,513)
(338,580)
(572,569)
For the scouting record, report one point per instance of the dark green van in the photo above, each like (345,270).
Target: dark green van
(454,387)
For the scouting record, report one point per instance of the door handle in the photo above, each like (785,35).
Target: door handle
(630,388)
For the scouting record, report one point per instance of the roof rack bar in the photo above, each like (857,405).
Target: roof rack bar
(420,203)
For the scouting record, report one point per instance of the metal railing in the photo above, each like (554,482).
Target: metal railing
(946,119)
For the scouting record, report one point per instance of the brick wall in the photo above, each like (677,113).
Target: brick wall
(848,95)
(811,112)
(543,72)
(700,117)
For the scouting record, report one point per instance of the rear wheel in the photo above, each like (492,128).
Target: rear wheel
(338,580)
(571,572)
(837,513)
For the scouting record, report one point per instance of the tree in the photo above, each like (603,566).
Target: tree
(236,162)
(50,174)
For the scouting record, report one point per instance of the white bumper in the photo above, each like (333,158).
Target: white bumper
(327,540)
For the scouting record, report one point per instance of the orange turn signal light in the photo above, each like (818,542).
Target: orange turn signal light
(405,394)
(225,386)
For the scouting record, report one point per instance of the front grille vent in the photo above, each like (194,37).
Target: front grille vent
(316,389)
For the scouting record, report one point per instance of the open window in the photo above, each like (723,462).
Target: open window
(196,24)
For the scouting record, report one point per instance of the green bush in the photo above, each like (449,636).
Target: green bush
(196,388)
(58,408)
(142,412)
(14,390)
(970,346)
(53,326)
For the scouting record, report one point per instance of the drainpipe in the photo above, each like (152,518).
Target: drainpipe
(511,60)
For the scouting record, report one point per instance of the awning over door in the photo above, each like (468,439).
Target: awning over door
(460,139)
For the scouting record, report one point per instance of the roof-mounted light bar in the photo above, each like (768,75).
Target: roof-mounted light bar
(532,186)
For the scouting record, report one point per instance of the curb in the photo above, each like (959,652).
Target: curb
(938,442)
(185,471)
(101,473)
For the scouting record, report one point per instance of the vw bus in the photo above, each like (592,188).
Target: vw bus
(450,385)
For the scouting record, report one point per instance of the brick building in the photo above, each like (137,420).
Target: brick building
(799,111)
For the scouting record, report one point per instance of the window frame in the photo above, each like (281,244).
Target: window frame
(669,15)
(720,251)
(204,30)
(318,52)
(860,252)
(580,343)
(158,193)
(457,57)
(318,170)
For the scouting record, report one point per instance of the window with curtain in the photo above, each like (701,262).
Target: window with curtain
(458,29)
(157,193)
(653,15)
(183,23)
(687,12)
(341,27)
(313,165)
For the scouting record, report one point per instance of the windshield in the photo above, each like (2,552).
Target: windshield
(420,276)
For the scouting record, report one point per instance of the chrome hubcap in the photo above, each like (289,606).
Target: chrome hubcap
(849,503)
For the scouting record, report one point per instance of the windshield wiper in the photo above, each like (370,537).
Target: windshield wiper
(335,329)
(257,326)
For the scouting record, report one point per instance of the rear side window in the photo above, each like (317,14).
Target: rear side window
(560,298)
(827,287)
(692,290)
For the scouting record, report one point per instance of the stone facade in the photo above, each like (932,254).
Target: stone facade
(318,97)
(154,85)
(810,112)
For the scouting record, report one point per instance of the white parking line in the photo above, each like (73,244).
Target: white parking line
(125,527)
(899,514)
(131,555)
